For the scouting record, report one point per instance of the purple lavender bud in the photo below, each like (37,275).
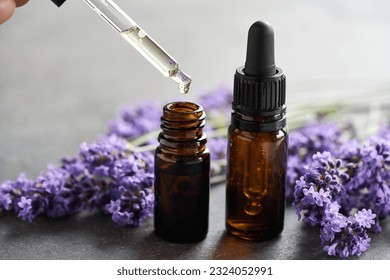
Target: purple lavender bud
(303,144)
(25,209)
(133,121)
(218,101)
(365,218)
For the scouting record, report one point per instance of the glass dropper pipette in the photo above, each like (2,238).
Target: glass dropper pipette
(140,40)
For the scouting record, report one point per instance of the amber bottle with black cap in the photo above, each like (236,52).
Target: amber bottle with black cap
(257,142)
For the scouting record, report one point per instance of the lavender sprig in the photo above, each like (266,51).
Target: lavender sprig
(133,121)
(112,172)
(303,144)
(345,236)
(331,190)
(217,104)
(321,184)
(369,169)
(103,173)
(318,195)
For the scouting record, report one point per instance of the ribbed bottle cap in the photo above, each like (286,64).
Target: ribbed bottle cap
(259,86)
(258,95)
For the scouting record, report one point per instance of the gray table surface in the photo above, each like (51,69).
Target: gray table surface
(93,236)
(64,73)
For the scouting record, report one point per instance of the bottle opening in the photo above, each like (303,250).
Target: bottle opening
(183,111)
(183,107)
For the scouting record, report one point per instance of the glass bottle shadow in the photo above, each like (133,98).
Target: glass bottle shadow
(230,247)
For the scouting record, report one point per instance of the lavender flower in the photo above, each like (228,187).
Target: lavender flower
(114,174)
(331,190)
(132,208)
(102,173)
(217,104)
(217,101)
(384,132)
(6,196)
(218,149)
(25,209)
(56,197)
(375,169)
(318,195)
(132,198)
(369,169)
(90,172)
(134,121)
(321,184)
(345,236)
(12,191)
(365,218)
(303,144)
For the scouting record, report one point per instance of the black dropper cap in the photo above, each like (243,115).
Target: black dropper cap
(259,86)
(58,2)
(260,57)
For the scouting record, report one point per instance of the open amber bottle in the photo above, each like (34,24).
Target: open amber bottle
(257,143)
(182,174)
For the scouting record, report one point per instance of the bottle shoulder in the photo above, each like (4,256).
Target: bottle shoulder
(234,132)
(180,156)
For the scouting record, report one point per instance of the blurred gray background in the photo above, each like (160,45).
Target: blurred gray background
(64,73)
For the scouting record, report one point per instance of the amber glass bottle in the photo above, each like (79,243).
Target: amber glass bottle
(257,143)
(182,174)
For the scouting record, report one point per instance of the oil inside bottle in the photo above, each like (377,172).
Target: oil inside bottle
(182,196)
(159,58)
(255,186)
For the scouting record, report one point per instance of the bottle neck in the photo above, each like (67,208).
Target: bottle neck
(259,123)
(182,129)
